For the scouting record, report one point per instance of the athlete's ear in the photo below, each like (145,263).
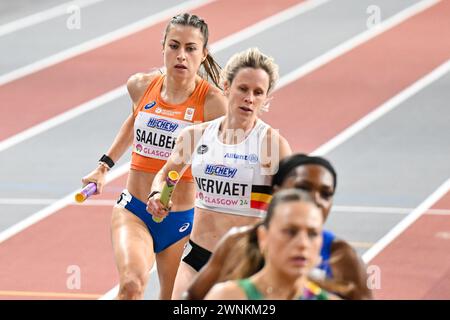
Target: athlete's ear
(275,188)
(226,88)
(266,105)
(205,54)
(261,233)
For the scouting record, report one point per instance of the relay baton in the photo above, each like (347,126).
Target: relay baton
(86,192)
(171,180)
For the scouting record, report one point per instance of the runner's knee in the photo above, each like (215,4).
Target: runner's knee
(132,286)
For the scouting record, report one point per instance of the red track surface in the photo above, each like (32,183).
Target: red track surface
(416,265)
(333,97)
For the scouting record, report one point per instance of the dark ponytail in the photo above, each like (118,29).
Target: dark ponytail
(212,70)
(246,259)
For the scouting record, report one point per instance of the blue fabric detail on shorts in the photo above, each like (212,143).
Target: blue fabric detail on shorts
(325,252)
(174,227)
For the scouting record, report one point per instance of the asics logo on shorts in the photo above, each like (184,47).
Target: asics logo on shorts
(184,227)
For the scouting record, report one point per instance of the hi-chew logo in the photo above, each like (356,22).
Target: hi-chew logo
(220,170)
(150,105)
(162,124)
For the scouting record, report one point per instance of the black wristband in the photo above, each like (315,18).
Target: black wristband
(107,160)
(152,194)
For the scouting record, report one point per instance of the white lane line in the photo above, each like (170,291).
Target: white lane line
(103,40)
(26,201)
(370,209)
(388,106)
(406,222)
(438,212)
(385,210)
(49,295)
(120,91)
(44,15)
(31,201)
(63,117)
(268,23)
(54,207)
(335,210)
(356,41)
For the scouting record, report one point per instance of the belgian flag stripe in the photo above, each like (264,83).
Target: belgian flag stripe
(262,189)
(261,197)
(259,205)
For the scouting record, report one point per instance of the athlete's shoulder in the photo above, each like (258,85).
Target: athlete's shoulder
(349,258)
(139,82)
(273,133)
(214,93)
(228,290)
(276,148)
(273,137)
(215,104)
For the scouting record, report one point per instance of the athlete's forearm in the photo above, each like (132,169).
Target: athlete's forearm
(203,282)
(158,180)
(123,139)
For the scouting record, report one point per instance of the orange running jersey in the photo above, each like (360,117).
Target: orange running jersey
(157,125)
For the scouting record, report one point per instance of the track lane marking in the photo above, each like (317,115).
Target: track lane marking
(406,222)
(44,294)
(100,41)
(43,16)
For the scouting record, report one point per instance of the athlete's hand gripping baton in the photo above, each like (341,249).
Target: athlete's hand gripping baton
(86,192)
(166,192)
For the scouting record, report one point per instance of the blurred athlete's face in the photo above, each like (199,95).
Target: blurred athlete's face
(292,242)
(247,92)
(183,51)
(316,180)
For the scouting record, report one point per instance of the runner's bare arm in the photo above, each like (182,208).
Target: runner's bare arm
(350,268)
(136,85)
(178,161)
(274,147)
